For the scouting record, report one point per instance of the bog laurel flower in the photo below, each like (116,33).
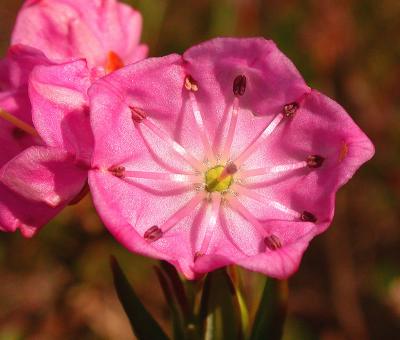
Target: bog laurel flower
(46,153)
(104,32)
(17,134)
(220,156)
(46,148)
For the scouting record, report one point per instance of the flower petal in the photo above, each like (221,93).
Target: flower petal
(66,29)
(272,79)
(44,174)
(279,263)
(60,106)
(128,212)
(17,212)
(320,127)
(147,86)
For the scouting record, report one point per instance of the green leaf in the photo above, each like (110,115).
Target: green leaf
(179,302)
(244,312)
(143,324)
(220,315)
(177,287)
(177,316)
(271,313)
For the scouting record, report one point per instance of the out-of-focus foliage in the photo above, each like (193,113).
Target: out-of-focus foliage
(58,285)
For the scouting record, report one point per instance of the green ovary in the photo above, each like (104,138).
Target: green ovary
(213,183)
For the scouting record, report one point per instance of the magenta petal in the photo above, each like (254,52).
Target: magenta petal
(282,262)
(44,174)
(120,220)
(272,79)
(279,263)
(69,29)
(321,127)
(145,85)
(15,70)
(61,91)
(21,61)
(17,212)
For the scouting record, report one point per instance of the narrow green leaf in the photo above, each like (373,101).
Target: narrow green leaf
(219,311)
(185,306)
(177,286)
(271,313)
(177,317)
(143,324)
(244,312)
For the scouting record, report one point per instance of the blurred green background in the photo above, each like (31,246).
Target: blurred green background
(58,284)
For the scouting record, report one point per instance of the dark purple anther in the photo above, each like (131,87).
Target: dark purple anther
(239,85)
(273,242)
(306,216)
(231,168)
(290,109)
(314,161)
(153,233)
(138,114)
(117,171)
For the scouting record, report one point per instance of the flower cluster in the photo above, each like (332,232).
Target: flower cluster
(222,155)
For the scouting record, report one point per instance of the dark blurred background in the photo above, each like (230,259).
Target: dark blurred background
(58,285)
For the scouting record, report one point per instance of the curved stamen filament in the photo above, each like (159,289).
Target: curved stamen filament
(232,128)
(200,125)
(18,123)
(162,176)
(264,200)
(182,213)
(259,140)
(272,170)
(179,149)
(242,210)
(211,220)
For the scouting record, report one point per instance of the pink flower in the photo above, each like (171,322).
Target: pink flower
(46,156)
(44,167)
(105,32)
(222,156)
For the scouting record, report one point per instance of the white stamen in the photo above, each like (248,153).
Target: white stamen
(242,210)
(200,124)
(264,200)
(183,212)
(259,140)
(211,220)
(272,170)
(179,149)
(231,131)
(162,176)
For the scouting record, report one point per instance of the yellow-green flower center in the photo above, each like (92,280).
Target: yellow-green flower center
(216,180)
